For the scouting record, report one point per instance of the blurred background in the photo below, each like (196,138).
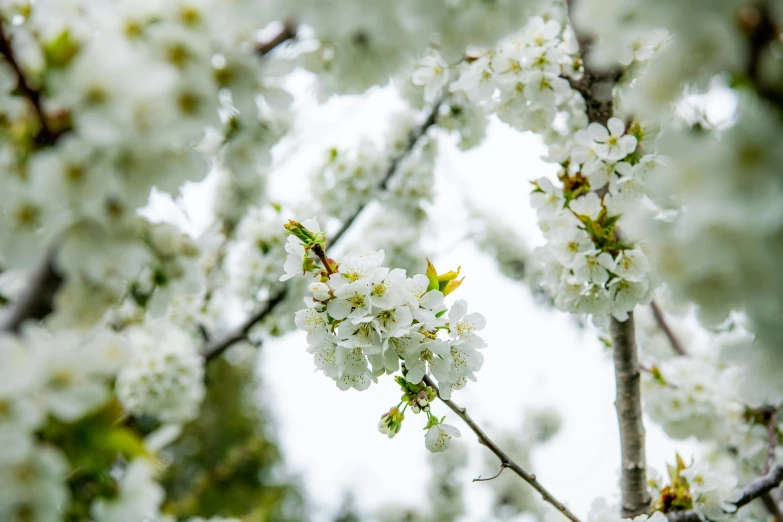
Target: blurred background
(294,445)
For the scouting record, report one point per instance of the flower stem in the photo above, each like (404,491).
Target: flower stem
(319,251)
(505,460)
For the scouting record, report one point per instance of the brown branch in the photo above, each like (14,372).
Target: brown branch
(596,87)
(628,402)
(664,325)
(36,300)
(216,348)
(288,32)
(319,251)
(772,437)
(220,345)
(761,31)
(752,491)
(45,136)
(505,460)
(503,465)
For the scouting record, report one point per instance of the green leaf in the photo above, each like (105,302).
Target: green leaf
(432,275)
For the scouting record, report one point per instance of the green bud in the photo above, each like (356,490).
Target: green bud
(60,51)
(299,231)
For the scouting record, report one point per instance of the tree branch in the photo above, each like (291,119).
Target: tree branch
(45,136)
(761,30)
(217,347)
(635,497)
(288,32)
(664,325)
(505,460)
(596,88)
(752,491)
(36,300)
(595,85)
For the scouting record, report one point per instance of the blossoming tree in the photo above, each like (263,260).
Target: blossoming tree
(110,319)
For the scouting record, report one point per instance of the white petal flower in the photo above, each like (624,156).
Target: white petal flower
(632,264)
(464,326)
(351,300)
(296,256)
(320,291)
(140,497)
(549,200)
(432,73)
(430,353)
(592,269)
(614,144)
(588,205)
(312,322)
(386,287)
(439,437)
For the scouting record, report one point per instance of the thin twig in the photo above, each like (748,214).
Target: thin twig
(772,506)
(413,139)
(505,460)
(215,348)
(319,251)
(220,345)
(664,325)
(45,136)
(503,465)
(288,32)
(772,438)
(36,300)
(761,31)
(752,491)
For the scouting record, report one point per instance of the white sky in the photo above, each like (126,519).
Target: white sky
(535,357)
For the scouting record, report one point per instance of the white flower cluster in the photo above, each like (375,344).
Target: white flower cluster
(165,376)
(714,494)
(139,498)
(350,178)
(363,319)
(592,268)
(254,258)
(46,377)
(688,396)
(366,318)
(358,44)
(702,245)
(525,79)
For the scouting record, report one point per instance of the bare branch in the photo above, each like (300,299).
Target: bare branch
(664,325)
(46,135)
(752,491)
(635,497)
(36,300)
(772,506)
(288,32)
(772,439)
(503,465)
(217,347)
(761,30)
(505,460)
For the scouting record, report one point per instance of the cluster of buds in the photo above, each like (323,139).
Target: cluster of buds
(391,422)
(417,396)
